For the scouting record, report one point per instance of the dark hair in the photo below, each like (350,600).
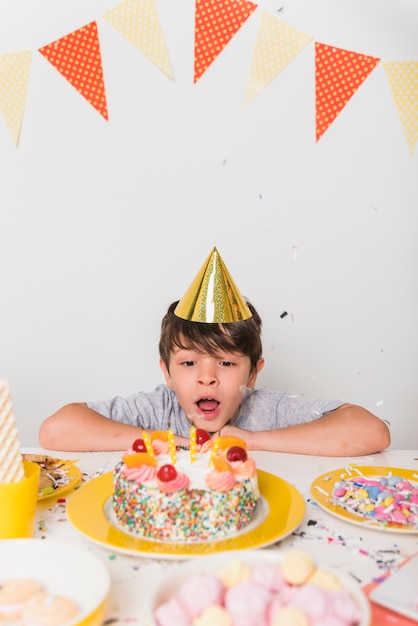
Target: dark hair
(243,336)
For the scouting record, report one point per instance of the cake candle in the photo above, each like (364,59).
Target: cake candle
(171,446)
(192,444)
(147,442)
(214,450)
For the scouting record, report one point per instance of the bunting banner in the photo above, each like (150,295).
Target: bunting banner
(77,57)
(138,21)
(338,75)
(277,44)
(403,82)
(338,72)
(216,23)
(14,78)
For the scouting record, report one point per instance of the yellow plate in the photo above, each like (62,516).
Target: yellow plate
(321,489)
(74,476)
(282,510)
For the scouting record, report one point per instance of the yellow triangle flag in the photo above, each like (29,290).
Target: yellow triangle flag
(277,45)
(14,78)
(138,21)
(403,81)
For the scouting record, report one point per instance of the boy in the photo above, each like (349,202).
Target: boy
(210,355)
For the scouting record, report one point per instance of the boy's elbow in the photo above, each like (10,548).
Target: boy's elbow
(47,434)
(385,436)
(52,432)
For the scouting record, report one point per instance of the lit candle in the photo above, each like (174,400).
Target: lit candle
(214,450)
(147,442)
(171,446)
(192,444)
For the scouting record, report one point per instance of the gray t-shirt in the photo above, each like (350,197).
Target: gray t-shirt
(260,409)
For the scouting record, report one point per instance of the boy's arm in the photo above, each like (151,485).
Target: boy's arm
(349,430)
(77,428)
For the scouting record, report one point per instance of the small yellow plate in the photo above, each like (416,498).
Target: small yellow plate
(283,509)
(74,476)
(321,489)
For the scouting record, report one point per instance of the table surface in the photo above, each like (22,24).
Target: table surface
(364,554)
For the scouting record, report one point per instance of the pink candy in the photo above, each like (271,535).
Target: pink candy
(262,600)
(387,499)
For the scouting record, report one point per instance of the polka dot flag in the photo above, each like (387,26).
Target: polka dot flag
(216,23)
(77,57)
(14,78)
(403,81)
(276,46)
(138,21)
(338,75)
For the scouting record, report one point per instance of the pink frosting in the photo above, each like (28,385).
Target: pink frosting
(160,447)
(139,474)
(180,481)
(220,481)
(246,469)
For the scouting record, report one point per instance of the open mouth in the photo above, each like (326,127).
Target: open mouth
(208,406)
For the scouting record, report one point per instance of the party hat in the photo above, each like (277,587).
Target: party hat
(11,460)
(213,297)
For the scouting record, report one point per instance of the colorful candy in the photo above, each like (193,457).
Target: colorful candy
(384,499)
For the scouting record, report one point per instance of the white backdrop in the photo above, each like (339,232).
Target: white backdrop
(104,223)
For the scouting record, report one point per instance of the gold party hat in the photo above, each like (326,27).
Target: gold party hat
(213,297)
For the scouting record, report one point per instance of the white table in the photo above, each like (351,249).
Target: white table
(362,553)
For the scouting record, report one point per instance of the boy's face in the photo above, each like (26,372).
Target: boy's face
(208,388)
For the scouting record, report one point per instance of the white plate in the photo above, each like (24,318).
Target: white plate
(61,569)
(213,563)
(399,592)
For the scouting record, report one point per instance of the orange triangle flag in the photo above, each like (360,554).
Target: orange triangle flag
(338,75)
(216,23)
(77,57)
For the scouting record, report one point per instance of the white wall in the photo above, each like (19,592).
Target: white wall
(103,224)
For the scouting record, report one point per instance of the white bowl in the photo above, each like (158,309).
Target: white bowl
(62,569)
(177,575)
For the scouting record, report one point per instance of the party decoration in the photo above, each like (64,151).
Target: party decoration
(216,23)
(77,57)
(138,21)
(11,460)
(338,75)
(276,46)
(14,78)
(213,296)
(403,81)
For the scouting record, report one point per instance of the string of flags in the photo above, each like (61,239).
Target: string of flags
(339,73)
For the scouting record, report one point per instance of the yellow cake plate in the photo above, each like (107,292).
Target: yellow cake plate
(321,489)
(281,509)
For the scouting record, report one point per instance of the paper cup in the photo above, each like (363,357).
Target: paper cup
(18,504)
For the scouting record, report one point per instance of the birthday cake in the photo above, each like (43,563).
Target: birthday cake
(203,493)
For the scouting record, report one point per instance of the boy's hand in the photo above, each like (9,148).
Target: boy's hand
(246,435)
(183,442)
